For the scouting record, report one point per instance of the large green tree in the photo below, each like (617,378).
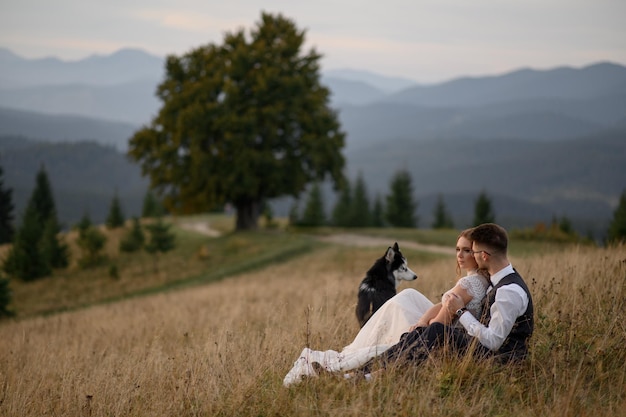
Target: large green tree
(240,123)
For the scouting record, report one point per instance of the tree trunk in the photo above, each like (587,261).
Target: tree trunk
(248,215)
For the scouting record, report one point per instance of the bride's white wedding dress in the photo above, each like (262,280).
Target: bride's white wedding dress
(381,331)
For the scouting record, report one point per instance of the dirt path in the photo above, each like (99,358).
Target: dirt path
(361,240)
(348,239)
(203,228)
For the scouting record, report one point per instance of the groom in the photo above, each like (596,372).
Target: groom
(507,320)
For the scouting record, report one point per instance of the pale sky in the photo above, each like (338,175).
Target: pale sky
(424,40)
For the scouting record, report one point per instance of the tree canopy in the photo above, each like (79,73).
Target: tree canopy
(240,123)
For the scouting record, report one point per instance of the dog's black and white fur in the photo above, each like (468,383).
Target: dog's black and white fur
(381,281)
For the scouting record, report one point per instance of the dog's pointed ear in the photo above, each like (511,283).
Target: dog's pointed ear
(396,247)
(390,253)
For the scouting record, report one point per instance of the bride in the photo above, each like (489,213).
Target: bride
(404,312)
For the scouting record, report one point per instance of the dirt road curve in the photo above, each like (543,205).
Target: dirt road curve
(203,228)
(348,239)
(360,240)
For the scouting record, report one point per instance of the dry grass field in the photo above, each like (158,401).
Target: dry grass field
(222,349)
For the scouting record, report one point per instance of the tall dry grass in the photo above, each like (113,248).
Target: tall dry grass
(223,349)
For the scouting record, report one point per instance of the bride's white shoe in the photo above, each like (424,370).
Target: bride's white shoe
(301,367)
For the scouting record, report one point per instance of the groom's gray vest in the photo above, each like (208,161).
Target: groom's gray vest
(515,346)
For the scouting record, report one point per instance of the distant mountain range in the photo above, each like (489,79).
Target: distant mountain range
(544,143)
(84,177)
(121,67)
(64,128)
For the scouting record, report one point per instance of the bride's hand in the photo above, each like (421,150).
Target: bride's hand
(420,323)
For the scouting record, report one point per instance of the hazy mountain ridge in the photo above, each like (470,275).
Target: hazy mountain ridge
(555,135)
(528,181)
(64,128)
(125,65)
(382,83)
(596,80)
(129,102)
(84,177)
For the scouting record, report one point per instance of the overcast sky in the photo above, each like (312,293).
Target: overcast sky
(424,40)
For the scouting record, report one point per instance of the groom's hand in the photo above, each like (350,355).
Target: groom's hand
(452,303)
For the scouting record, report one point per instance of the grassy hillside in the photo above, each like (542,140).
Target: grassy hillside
(196,259)
(222,349)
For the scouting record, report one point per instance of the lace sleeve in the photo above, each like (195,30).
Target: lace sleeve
(475,285)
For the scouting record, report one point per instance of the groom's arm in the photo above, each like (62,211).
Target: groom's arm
(511,302)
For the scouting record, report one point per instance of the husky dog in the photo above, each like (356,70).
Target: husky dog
(381,281)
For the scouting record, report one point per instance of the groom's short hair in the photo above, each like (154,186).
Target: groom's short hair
(491,235)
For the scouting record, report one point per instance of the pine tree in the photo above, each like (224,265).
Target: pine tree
(617,227)
(483,212)
(565,225)
(115,217)
(401,206)
(42,200)
(161,240)
(7,230)
(314,215)
(443,220)
(6,297)
(294,214)
(36,249)
(343,206)
(360,215)
(84,224)
(151,206)
(55,252)
(134,238)
(91,242)
(25,259)
(378,212)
